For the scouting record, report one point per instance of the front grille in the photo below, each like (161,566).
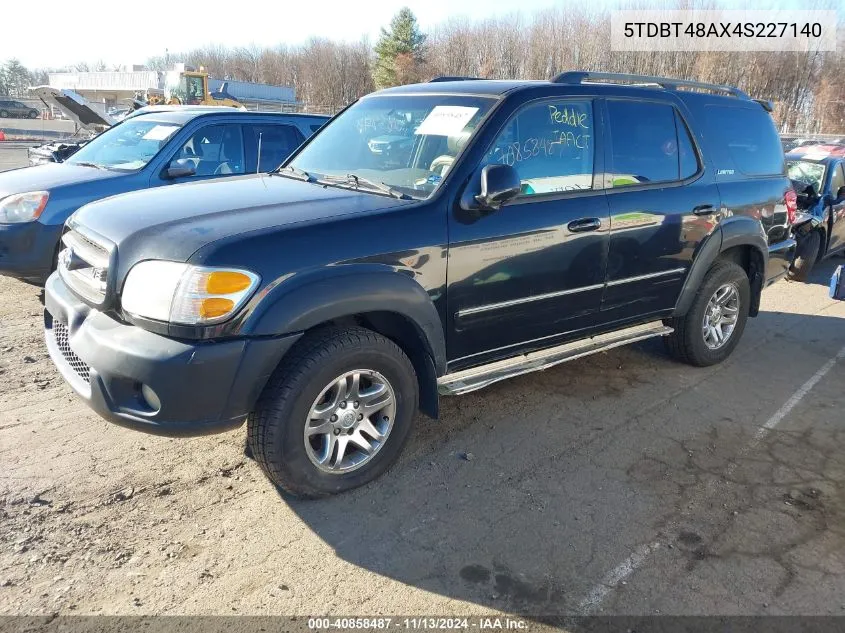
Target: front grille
(60,332)
(84,265)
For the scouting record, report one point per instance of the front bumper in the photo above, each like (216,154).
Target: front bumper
(780,259)
(152,383)
(27,250)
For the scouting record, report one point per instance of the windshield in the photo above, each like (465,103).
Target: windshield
(126,147)
(806,173)
(408,143)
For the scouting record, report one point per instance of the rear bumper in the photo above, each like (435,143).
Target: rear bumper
(780,259)
(151,383)
(27,250)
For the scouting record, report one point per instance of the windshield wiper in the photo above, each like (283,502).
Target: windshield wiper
(357,181)
(294,172)
(85,164)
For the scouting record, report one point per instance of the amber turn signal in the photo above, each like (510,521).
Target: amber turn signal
(226,282)
(215,307)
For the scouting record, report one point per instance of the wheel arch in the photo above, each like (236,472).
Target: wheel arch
(388,302)
(740,239)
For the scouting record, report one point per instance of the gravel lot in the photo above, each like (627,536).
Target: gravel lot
(623,483)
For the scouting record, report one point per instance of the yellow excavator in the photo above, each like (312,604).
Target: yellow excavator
(190,87)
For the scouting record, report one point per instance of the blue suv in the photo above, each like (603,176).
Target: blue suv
(160,147)
(818,175)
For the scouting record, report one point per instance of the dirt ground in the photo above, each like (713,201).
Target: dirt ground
(624,483)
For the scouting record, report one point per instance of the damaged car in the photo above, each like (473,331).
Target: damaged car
(88,123)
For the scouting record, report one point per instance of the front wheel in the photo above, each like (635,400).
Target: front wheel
(4,114)
(335,414)
(33,114)
(806,255)
(711,329)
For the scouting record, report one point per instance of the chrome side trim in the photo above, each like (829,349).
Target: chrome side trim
(561,293)
(478,377)
(514,302)
(662,273)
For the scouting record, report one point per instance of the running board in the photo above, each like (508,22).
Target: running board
(478,377)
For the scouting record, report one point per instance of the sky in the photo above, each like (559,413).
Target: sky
(153,25)
(131,31)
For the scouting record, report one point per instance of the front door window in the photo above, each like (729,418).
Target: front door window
(551,145)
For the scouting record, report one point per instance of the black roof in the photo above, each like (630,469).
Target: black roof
(489,87)
(578,83)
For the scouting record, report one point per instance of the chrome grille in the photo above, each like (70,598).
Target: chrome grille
(60,332)
(84,266)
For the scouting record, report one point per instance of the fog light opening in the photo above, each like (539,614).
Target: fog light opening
(150,398)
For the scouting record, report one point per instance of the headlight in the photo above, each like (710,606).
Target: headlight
(22,207)
(182,293)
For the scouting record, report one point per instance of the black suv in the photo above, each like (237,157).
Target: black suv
(522,224)
(15,109)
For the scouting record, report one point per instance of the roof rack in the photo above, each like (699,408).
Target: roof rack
(768,106)
(447,78)
(579,77)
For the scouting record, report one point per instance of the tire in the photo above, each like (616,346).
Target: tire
(4,114)
(277,427)
(33,114)
(806,255)
(688,343)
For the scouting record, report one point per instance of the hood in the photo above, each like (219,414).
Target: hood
(75,107)
(49,176)
(174,222)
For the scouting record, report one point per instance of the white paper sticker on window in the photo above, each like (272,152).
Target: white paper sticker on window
(160,132)
(446,120)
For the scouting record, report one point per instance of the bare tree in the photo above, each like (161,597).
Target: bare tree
(807,88)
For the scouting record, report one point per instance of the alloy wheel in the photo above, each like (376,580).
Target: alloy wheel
(350,421)
(720,316)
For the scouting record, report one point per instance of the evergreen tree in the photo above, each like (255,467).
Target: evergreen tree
(16,78)
(404,43)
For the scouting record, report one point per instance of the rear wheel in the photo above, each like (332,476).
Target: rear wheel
(711,329)
(4,114)
(33,114)
(335,414)
(806,255)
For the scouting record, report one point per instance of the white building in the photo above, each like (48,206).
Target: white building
(110,89)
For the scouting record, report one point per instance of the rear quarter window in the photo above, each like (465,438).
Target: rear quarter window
(745,141)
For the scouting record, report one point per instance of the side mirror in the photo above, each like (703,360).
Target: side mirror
(179,168)
(499,183)
(840,195)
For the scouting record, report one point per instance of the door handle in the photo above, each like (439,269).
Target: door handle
(584,224)
(704,209)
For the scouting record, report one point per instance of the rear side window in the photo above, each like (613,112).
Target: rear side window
(277,142)
(316,126)
(649,144)
(551,146)
(747,138)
